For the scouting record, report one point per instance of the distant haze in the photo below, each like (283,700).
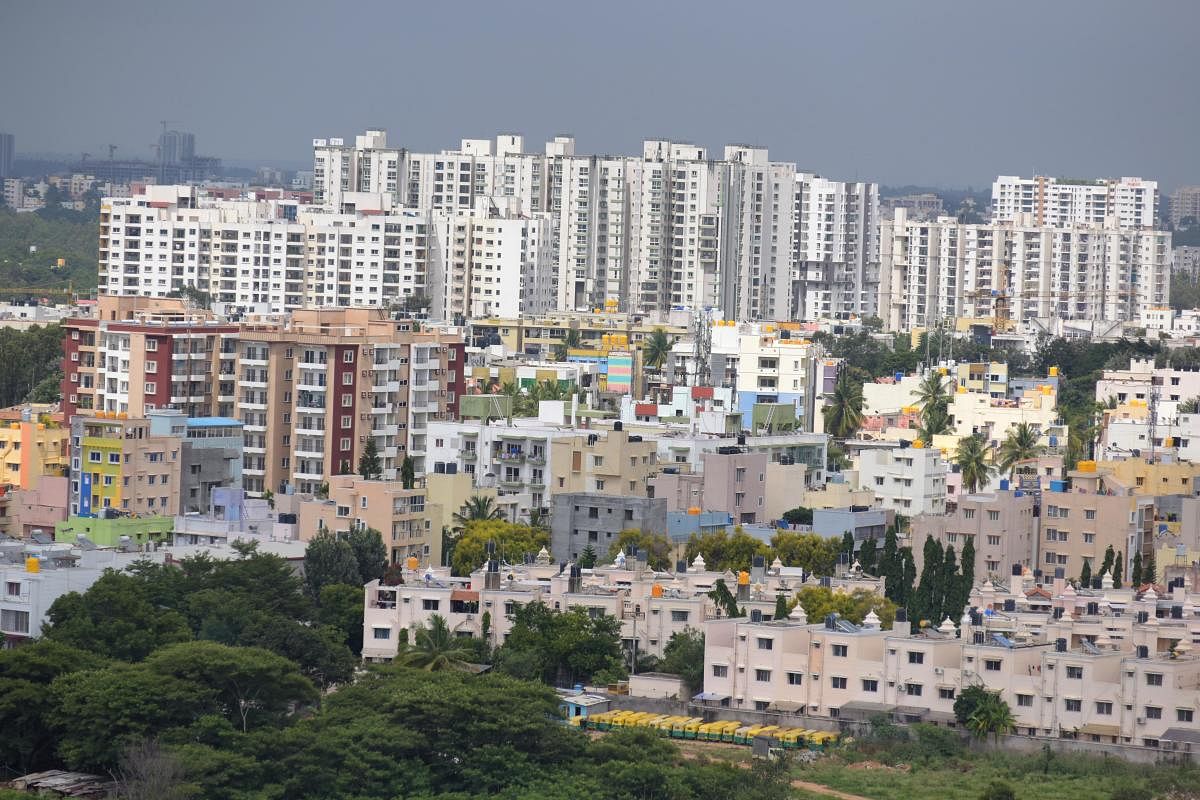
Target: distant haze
(946,93)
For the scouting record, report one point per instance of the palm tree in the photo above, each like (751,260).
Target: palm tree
(435,648)
(843,414)
(935,405)
(656,348)
(477,507)
(570,342)
(993,716)
(1021,444)
(971,459)
(539,519)
(1190,406)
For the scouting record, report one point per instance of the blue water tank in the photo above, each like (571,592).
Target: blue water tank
(898,376)
(1054,441)
(1004,484)
(1058,486)
(1018,493)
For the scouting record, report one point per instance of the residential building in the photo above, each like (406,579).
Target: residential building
(1061,202)
(26,511)
(7,151)
(1186,261)
(862,522)
(579,519)
(1171,386)
(1183,205)
(115,530)
(232,516)
(922,206)
(1002,526)
(119,464)
(615,463)
(212,454)
(1019,270)
(908,480)
(732,482)
(31,450)
(404,517)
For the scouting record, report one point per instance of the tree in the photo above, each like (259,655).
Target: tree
(967,701)
(340,606)
(587,559)
(843,414)
(656,547)
(656,349)
(992,715)
(934,401)
(1106,564)
(560,647)
(964,583)
(1085,574)
(798,516)
(935,421)
(369,464)
(927,599)
(781,606)
(867,556)
(477,507)
(1118,566)
(1149,568)
(684,656)
(250,686)
(408,472)
(723,551)
(891,566)
(724,599)
(949,585)
(820,601)
(571,341)
(329,559)
(114,619)
(1189,406)
(435,648)
(998,790)
(1135,572)
(847,544)
(971,460)
(1021,444)
(815,553)
(511,542)
(147,771)
(370,553)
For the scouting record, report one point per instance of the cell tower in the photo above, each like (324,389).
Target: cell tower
(1152,417)
(702,347)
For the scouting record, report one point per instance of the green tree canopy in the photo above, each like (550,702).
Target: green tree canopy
(723,551)
(560,647)
(328,559)
(819,601)
(815,553)
(655,546)
(436,648)
(512,542)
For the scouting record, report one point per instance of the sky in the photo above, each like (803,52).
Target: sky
(945,93)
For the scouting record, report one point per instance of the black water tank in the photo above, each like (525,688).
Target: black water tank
(1060,645)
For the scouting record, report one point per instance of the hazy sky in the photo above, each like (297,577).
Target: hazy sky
(939,93)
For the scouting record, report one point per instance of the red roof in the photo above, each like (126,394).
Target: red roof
(645,409)
(702,393)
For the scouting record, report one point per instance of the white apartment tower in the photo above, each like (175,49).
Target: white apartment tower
(1060,202)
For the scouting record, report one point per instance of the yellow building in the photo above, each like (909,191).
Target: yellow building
(29,450)
(612,463)
(117,464)
(544,334)
(1180,477)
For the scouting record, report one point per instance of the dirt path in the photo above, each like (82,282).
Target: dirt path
(817,788)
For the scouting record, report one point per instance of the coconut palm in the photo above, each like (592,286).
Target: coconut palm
(971,459)
(477,507)
(992,715)
(933,423)
(435,648)
(1021,444)
(656,348)
(571,341)
(843,414)
(539,519)
(935,405)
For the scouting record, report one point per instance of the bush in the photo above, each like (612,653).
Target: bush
(998,790)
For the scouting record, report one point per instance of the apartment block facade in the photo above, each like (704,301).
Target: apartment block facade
(1060,202)
(117,463)
(1001,525)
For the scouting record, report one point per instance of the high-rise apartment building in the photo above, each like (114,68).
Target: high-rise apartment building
(1061,202)
(7,153)
(1183,206)
(176,147)
(310,392)
(942,269)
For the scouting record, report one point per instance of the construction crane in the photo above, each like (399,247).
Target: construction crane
(112,148)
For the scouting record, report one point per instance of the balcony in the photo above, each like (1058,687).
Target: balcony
(511,484)
(511,456)
(537,459)
(470,455)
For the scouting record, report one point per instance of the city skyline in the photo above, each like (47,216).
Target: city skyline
(817,86)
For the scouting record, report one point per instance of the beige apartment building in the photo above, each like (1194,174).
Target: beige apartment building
(1001,524)
(616,463)
(1159,477)
(1097,512)
(733,482)
(117,463)
(404,517)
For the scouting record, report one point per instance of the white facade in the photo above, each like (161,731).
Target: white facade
(1060,203)
(907,480)
(943,269)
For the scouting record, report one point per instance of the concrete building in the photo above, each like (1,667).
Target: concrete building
(1019,270)
(119,466)
(862,522)
(1060,202)
(732,482)
(7,151)
(579,519)
(1183,205)
(1002,525)
(24,511)
(31,450)
(404,517)
(906,480)
(212,454)
(615,463)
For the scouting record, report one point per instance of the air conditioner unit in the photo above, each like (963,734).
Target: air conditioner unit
(366,372)
(362,438)
(939,671)
(366,394)
(1141,720)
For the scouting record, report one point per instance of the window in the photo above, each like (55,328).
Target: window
(1075,673)
(945,693)
(12,589)
(346,423)
(969,513)
(720,671)
(841,650)
(14,621)
(1154,679)
(870,685)
(837,683)
(382,633)
(348,357)
(94,456)
(347,400)
(151,388)
(1104,708)
(429,604)
(1073,705)
(115,458)
(994,516)
(1153,712)
(1184,714)
(347,379)
(766,644)
(761,705)
(762,675)
(916,658)
(795,678)
(914,689)
(1089,513)
(993,541)
(679,616)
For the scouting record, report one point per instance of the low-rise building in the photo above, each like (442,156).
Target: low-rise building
(1002,525)
(404,517)
(579,519)
(212,454)
(906,480)
(117,463)
(24,511)
(31,449)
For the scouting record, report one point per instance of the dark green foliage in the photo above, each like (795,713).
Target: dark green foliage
(998,790)
(329,559)
(30,361)
(724,599)
(1135,571)
(684,656)
(798,516)
(408,472)
(1085,574)
(340,606)
(867,556)
(723,551)
(587,559)
(369,552)
(560,648)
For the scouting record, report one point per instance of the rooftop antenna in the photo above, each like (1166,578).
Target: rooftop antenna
(1152,417)
(702,347)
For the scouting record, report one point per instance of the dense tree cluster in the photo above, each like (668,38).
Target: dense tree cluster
(943,589)
(30,364)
